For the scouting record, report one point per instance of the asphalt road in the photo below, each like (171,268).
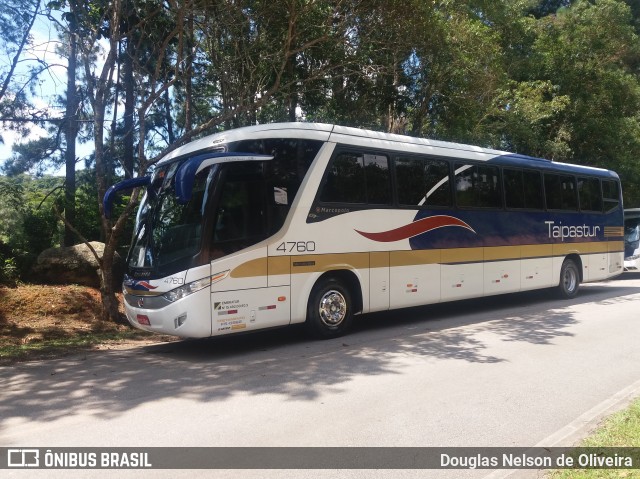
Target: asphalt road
(518,370)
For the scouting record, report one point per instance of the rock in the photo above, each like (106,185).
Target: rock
(73,265)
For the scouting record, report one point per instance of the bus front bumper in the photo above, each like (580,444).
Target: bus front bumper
(189,317)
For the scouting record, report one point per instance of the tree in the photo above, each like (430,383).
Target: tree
(71,130)
(575,95)
(16,21)
(28,224)
(17,74)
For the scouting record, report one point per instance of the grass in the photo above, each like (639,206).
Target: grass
(619,430)
(38,321)
(60,347)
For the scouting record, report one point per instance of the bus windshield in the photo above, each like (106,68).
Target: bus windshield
(168,231)
(179,223)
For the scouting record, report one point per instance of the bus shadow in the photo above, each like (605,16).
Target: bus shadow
(285,362)
(533,316)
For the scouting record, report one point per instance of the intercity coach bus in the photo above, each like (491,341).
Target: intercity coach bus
(277,224)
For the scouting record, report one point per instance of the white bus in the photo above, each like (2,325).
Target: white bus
(277,224)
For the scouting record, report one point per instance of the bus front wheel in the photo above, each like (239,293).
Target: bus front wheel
(330,309)
(569,279)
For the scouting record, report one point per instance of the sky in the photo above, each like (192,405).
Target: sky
(52,85)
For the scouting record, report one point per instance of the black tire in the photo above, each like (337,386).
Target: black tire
(569,279)
(330,309)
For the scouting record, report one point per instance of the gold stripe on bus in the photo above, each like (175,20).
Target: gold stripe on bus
(250,269)
(315,263)
(536,250)
(279,265)
(600,246)
(462,255)
(616,246)
(379,259)
(415,257)
(500,253)
(563,249)
(613,231)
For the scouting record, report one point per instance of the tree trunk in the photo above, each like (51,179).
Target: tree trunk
(188,103)
(129,109)
(110,305)
(71,132)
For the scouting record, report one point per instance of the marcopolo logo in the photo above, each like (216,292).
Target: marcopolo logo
(23,458)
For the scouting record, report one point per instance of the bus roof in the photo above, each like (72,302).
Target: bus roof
(375,139)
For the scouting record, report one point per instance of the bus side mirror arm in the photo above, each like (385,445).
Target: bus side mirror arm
(107,201)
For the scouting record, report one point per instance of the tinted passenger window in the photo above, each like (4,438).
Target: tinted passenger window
(560,192)
(589,194)
(284,174)
(523,189)
(610,194)
(357,178)
(423,182)
(478,186)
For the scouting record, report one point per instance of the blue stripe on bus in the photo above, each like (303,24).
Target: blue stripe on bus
(512,228)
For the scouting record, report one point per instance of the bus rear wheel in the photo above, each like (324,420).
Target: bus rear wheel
(569,279)
(330,309)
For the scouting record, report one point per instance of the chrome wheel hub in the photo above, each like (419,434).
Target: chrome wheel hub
(332,308)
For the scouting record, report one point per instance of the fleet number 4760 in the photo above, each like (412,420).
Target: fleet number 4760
(296,246)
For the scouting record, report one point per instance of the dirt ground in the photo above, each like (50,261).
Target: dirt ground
(53,320)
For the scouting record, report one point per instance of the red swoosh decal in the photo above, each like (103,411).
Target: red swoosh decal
(416,228)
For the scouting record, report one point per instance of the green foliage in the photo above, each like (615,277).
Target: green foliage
(26,229)
(574,93)
(28,223)
(532,115)
(9,271)
(87,214)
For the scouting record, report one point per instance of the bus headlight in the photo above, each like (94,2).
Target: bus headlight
(187,289)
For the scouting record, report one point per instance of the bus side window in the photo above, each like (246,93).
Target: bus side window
(377,178)
(610,195)
(478,186)
(513,188)
(410,180)
(560,192)
(422,182)
(345,180)
(523,189)
(357,178)
(589,194)
(533,192)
